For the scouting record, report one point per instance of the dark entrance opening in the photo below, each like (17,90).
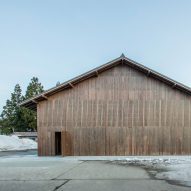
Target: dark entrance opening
(58,143)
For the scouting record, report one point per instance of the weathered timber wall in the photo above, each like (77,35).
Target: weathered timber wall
(120,112)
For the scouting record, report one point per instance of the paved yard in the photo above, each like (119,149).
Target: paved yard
(57,174)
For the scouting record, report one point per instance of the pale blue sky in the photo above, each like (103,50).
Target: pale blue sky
(57,40)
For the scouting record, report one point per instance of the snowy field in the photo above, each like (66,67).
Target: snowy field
(10,143)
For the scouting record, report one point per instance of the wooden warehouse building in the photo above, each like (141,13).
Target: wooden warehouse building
(119,108)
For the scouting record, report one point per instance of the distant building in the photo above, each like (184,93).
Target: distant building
(119,108)
(29,135)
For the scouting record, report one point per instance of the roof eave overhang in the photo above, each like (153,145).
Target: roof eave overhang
(32,103)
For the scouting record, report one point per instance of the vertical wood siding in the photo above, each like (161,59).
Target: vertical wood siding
(120,112)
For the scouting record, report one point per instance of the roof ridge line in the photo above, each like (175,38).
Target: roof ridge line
(104,67)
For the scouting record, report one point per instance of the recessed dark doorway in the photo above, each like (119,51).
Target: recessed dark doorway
(58,143)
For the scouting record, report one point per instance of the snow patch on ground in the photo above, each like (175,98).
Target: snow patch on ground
(10,143)
(177,172)
(171,168)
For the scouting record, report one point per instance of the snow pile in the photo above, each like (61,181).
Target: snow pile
(171,168)
(8,143)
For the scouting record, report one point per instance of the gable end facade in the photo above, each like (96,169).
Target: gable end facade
(120,110)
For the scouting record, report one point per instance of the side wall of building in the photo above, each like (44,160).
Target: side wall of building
(120,112)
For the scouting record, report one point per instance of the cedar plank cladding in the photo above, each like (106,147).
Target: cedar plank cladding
(120,112)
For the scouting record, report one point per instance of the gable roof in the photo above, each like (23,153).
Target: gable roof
(32,102)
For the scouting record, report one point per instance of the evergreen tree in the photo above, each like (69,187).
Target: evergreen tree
(9,116)
(34,88)
(16,118)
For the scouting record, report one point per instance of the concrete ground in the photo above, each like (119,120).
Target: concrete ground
(56,174)
(18,153)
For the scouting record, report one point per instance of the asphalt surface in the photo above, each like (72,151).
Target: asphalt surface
(32,173)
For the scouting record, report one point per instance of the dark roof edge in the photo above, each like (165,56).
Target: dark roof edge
(32,102)
(164,77)
(72,80)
